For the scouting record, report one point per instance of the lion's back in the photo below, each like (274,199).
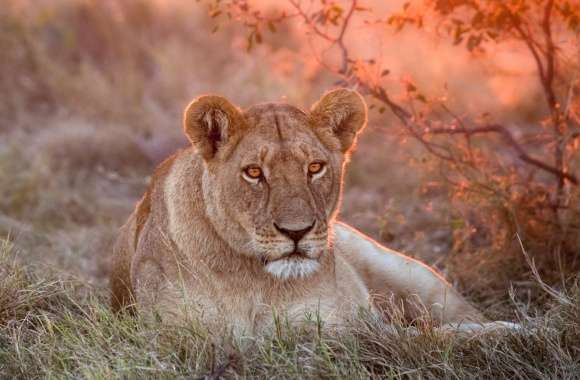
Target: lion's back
(120,274)
(127,243)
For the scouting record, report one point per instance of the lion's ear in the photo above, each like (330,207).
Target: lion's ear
(210,122)
(339,115)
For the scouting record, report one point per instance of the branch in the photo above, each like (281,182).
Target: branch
(339,39)
(406,118)
(511,141)
(527,38)
(545,66)
(309,21)
(550,53)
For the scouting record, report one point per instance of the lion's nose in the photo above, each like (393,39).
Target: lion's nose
(293,234)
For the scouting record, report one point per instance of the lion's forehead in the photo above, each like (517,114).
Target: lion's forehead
(268,111)
(277,121)
(280,133)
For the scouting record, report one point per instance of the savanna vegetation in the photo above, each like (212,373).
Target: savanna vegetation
(470,163)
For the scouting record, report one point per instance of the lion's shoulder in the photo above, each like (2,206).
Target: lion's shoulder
(143,208)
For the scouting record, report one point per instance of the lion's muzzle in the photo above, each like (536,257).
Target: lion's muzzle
(302,260)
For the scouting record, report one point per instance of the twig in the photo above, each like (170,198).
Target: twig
(309,21)
(550,53)
(510,140)
(339,39)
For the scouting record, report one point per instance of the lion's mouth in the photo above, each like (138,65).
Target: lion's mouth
(296,264)
(296,254)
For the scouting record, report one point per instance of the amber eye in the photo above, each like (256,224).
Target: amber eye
(315,167)
(253,172)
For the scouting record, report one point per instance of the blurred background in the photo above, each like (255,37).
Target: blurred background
(92,94)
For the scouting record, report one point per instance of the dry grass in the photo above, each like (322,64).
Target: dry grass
(55,328)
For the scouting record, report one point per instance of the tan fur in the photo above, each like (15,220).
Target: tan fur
(206,242)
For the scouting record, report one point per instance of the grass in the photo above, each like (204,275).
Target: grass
(55,328)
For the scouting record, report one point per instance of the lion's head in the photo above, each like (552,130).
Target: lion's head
(273,174)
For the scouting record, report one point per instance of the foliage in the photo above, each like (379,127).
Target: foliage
(477,23)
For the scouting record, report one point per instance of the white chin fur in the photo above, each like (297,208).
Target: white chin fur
(286,269)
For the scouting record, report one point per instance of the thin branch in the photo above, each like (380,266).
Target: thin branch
(339,39)
(310,22)
(406,119)
(550,53)
(511,141)
(570,97)
(550,57)
(528,40)
(459,121)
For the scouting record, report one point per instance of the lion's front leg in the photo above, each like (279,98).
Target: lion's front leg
(157,294)
(172,296)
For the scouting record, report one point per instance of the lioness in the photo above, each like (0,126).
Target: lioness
(243,222)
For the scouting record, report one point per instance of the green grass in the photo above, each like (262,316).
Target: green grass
(52,328)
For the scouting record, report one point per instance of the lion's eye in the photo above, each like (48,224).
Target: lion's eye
(315,167)
(253,172)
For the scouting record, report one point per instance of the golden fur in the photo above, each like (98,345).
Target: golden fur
(208,241)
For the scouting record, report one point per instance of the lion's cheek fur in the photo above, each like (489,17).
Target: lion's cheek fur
(331,188)
(228,223)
